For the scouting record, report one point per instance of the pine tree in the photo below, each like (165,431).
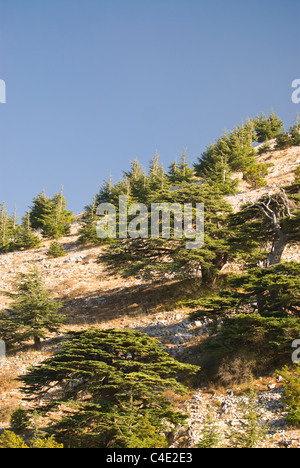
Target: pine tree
(136,178)
(251,430)
(262,230)
(210,435)
(267,128)
(6,229)
(56,218)
(231,153)
(291,376)
(157,178)
(270,292)
(24,237)
(161,257)
(283,140)
(108,383)
(87,231)
(56,250)
(181,172)
(295,131)
(42,204)
(255,175)
(32,312)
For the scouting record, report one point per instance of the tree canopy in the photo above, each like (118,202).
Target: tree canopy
(109,385)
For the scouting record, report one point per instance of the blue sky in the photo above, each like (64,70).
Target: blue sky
(93,84)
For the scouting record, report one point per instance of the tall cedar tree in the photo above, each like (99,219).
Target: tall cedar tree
(50,215)
(107,382)
(41,205)
(6,229)
(24,237)
(181,172)
(260,313)
(232,152)
(56,218)
(267,128)
(160,257)
(32,312)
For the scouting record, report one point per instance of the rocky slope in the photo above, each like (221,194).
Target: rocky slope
(92,295)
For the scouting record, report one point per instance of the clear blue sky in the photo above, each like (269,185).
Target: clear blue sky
(93,84)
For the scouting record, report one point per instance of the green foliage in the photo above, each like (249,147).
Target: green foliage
(56,218)
(180,172)
(110,386)
(260,313)
(255,175)
(87,231)
(161,257)
(284,141)
(42,204)
(267,128)
(271,292)
(10,440)
(6,229)
(145,435)
(32,313)
(56,250)
(251,430)
(276,290)
(264,148)
(291,375)
(265,342)
(295,132)
(13,236)
(19,420)
(46,443)
(210,436)
(50,215)
(232,152)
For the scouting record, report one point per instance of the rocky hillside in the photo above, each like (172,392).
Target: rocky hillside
(285,164)
(92,295)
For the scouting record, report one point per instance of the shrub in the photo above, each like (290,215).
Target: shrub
(56,250)
(291,376)
(19,420)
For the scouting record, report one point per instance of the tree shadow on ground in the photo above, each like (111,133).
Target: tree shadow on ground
(142,299)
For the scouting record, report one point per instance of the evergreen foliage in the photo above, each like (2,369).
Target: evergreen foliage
(252,429)
(180,172)
(10,440)
(231,153)
(56,218)
(50,215)
(56,250)
(210,437)
(255,175)
(161,257)
(267,128)
(260,313)
(32,312)
(291,375)
(111,385)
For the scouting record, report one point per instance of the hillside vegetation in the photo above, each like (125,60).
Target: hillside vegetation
(84,318)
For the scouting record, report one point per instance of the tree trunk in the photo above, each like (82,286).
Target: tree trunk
(275,256)
(37,343)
